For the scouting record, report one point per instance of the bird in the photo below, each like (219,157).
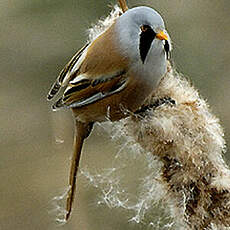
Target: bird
(112,76)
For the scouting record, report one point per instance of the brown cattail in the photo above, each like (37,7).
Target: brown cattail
(178,128)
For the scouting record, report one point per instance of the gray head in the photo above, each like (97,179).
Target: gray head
(144,40)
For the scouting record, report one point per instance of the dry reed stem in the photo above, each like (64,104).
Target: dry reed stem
(123,5)
(188,140)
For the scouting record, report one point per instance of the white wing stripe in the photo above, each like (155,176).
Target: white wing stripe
(75,67)
(97,96)
(78,78)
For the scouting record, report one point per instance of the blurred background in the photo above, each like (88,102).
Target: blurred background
(37,38)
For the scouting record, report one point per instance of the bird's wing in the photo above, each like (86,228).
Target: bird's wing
(100,73)
(89,90)
(64,76)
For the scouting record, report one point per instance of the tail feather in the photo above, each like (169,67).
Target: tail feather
(83,130)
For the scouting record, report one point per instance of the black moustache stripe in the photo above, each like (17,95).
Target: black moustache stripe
(146,39)
(167,49)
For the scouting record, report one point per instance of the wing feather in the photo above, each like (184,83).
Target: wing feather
(67,72)
(87,92)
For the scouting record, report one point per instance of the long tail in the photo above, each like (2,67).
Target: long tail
(82,131)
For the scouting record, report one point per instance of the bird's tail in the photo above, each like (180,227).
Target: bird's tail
(82,131)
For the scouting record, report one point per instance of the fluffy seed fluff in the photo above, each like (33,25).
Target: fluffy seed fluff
(188,140)
(104,24)
(182,143)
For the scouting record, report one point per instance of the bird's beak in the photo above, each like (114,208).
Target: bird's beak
(162,35)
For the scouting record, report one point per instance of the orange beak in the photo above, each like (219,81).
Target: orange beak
(162,36)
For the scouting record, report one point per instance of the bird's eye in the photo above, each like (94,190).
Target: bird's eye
(144,28)
(146,38)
